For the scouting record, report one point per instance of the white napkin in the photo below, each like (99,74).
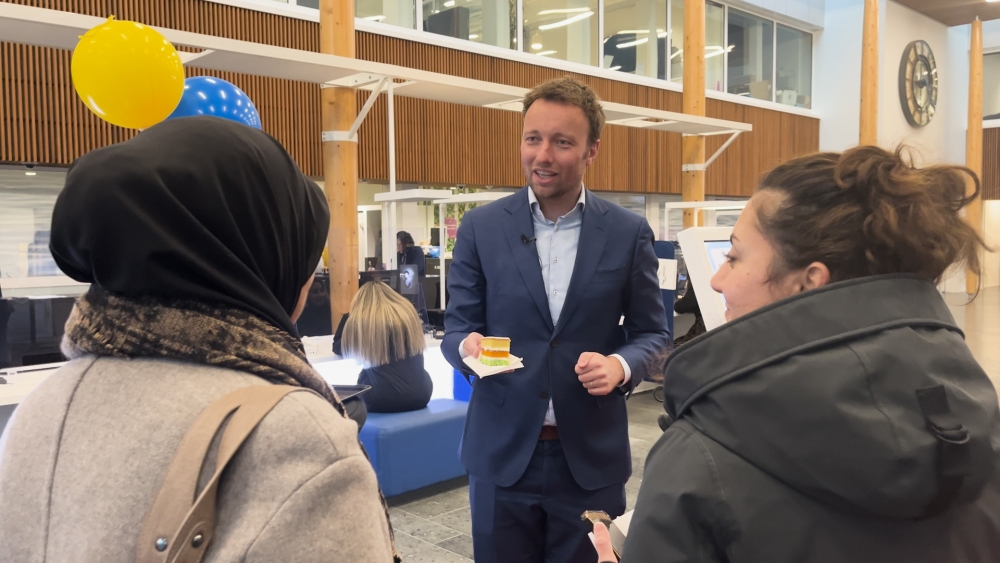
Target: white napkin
(483,370)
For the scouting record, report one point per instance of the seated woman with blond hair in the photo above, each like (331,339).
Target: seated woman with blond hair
(838,415)
(384,333)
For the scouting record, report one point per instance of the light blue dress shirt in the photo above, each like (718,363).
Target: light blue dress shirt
(557,243)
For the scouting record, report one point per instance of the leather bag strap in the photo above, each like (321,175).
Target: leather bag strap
(180,527)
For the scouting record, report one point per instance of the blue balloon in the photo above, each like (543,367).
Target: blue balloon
(207,95)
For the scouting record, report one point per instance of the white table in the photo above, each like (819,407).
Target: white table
(334,369)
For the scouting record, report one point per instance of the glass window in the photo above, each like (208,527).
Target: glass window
(308,3)
(635,37)
(751,55)
(26,202)
(484,21)
(393,12)
(715,17)
(562,29)
(991,86)
(793,85)
(715,40)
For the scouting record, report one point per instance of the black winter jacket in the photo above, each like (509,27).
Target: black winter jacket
(846,424)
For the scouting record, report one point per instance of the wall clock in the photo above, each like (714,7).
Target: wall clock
(918,83)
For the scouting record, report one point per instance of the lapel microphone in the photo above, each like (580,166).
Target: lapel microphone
(526,240)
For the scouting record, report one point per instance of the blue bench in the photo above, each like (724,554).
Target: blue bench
(410,450)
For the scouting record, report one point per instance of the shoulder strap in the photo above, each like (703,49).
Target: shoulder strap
(180,527)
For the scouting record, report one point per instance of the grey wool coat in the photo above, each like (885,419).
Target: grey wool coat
(846,424)
(84,455)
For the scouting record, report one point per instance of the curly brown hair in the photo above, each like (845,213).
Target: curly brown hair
(866,212)
(569,91)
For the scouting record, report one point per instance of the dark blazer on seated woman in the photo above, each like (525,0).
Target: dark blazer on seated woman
(848,423)
(384,333)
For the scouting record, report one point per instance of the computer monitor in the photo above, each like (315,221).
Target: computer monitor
(388,277)
(705,250)
(409,281)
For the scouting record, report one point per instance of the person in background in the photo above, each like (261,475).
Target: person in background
(838,415)
(407,253)
(383,332)
(199,237)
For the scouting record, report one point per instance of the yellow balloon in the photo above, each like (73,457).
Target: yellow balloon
(128,74)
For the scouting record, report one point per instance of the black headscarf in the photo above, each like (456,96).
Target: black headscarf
(196,208)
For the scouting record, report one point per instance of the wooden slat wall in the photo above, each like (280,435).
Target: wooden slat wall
(437,143)
(991,163)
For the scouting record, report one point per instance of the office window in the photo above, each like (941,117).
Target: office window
(308,3)
(715,46)
(751,55)
(491,22)
(991,86)
(562,29)
(393,12)
(635,37)
(793,85)
(26,203)
(715,18)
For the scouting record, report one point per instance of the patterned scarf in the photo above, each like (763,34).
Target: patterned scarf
(104,324)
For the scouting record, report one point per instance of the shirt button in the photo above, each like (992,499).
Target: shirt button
(557,260)
(555,293)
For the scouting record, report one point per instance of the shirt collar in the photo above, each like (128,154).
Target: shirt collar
(581,203)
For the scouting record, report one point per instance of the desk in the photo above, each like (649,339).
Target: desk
(335,370)
(341,371)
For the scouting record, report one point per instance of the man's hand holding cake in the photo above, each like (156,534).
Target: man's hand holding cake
(598,374)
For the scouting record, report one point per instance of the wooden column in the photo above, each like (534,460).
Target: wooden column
(693,147)
(340,160)
(974,140)
(869,75)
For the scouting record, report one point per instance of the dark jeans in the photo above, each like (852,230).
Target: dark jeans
(537,520)
(356,411)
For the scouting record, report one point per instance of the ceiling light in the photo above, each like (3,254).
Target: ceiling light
(560,11)
(661,34)
(717,51)
(449,3)
(567,21)
(545,53)
(375,18)
(536,46)
(615,67)
(473,36)
(634,31)
(29,173)
(633,43)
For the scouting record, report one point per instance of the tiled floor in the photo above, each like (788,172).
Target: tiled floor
(981,322)
(438,528)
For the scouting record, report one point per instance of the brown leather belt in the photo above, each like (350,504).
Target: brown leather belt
(548,433)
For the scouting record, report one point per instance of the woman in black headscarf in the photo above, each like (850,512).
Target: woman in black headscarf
(199,238)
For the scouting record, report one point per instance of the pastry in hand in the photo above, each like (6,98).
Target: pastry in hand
(495,351)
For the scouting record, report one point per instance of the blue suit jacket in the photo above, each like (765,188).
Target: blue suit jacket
(496,289)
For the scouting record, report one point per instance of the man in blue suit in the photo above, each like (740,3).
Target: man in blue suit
(554,268)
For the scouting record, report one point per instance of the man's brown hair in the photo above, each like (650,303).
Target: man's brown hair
(571,92)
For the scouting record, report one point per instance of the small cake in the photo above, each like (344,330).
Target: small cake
(496,351)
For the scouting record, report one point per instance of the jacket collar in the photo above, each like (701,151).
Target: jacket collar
(835,313)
